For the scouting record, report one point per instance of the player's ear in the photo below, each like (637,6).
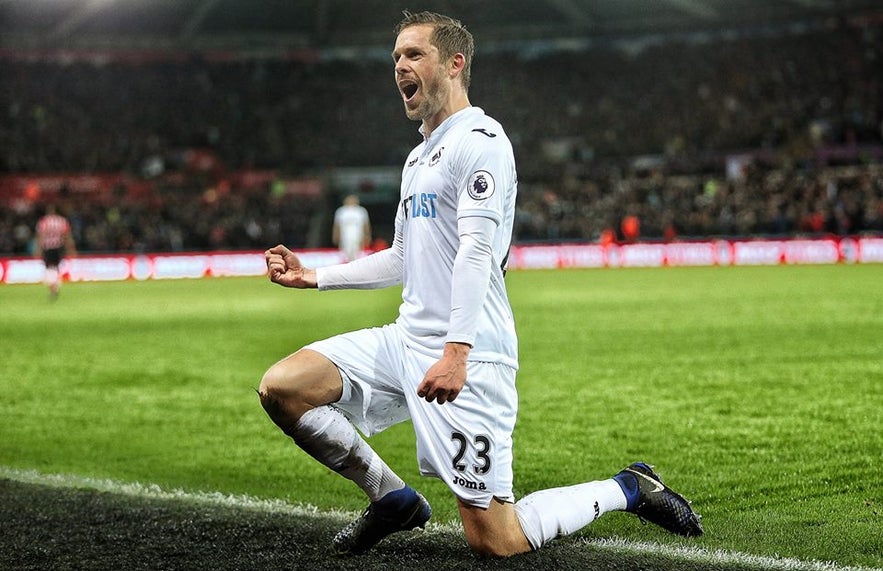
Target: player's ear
(456,65)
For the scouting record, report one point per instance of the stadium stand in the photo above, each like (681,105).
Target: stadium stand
(757,133)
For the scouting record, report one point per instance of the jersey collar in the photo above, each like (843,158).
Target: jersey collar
(448,123)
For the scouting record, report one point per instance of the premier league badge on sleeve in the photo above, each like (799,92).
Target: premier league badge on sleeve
(481,185)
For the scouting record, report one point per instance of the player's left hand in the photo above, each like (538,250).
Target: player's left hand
(445,379)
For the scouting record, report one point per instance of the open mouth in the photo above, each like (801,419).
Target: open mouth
(408,89)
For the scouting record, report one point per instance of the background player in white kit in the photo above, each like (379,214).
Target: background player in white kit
(352,228)
(449,361)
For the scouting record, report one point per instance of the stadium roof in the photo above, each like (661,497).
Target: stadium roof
(311,24)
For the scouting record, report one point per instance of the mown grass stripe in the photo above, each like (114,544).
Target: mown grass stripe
(617,545)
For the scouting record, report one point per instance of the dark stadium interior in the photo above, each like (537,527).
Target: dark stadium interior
(701,118)
(332,23)
(131,424)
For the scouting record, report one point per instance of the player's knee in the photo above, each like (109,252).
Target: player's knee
(494,531)
(491,546)
(280,398)
(297,384)
(496,541)
(275,408)
(287,380)
(481,546)
(272,384)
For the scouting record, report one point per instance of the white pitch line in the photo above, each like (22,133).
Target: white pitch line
(720,557)
(152,491)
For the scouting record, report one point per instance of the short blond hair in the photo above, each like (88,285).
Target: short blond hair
(450,36)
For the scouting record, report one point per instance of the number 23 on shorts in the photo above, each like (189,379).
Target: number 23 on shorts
(482,445)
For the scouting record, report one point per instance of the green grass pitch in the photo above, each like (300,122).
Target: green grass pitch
(756,391)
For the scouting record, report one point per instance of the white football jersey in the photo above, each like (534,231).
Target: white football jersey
(465,168)
(351,220)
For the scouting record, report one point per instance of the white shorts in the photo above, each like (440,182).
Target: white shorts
(466,443)
(351,248)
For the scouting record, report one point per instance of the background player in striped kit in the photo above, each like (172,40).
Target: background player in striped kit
(53,242)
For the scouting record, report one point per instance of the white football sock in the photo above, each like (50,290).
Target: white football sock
(548,514)
(328,436)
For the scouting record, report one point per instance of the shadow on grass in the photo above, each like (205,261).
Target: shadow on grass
(46,528)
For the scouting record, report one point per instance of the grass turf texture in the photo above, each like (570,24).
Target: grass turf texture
(755,391)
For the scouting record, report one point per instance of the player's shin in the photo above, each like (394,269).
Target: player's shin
(326,435)
(51,278)
(548,514)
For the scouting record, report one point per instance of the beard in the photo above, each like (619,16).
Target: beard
(420,112)
(431,100)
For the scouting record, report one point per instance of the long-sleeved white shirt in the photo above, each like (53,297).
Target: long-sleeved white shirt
(453,230)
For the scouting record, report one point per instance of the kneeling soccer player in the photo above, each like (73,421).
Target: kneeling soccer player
(448,362)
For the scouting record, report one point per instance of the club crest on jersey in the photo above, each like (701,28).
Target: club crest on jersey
(481,185)
(436,157)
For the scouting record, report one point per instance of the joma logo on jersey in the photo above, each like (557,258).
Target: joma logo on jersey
(485,133)
(469,484)
(420,205)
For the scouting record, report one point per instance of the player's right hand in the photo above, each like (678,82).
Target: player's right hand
(285,269)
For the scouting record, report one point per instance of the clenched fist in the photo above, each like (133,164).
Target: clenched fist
(285,269)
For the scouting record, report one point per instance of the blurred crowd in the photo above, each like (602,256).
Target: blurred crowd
(614,141)
(169,220)
(845,200)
